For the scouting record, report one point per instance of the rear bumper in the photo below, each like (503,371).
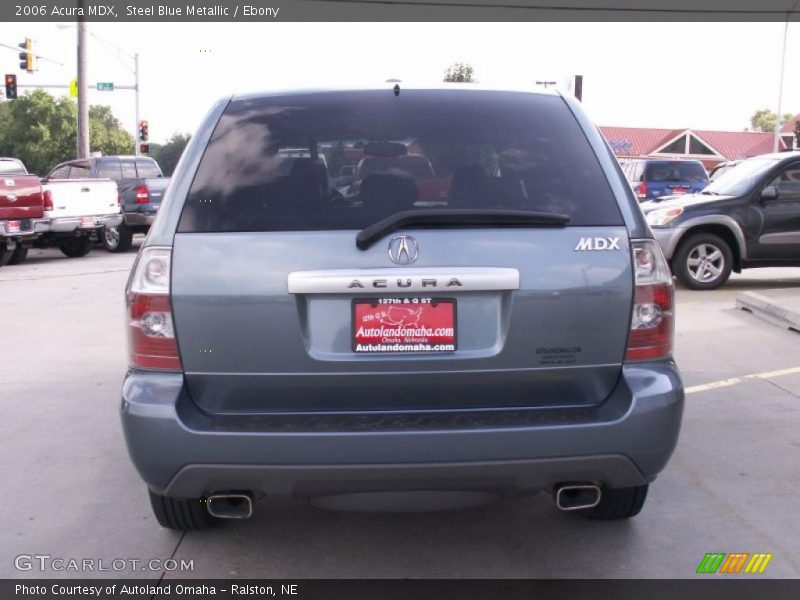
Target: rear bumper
(133,219)
(71,224)
(180,451)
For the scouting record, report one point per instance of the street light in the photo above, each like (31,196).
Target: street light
(776,141)
(135,70)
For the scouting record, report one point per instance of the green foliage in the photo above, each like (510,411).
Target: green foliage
(40,130)
(459,72)
(168,154)
(797,133)
(764,120)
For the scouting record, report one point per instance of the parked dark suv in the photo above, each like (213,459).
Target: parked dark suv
(748,217)
(377,352)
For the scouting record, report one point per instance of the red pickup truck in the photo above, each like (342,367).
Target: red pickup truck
(21,204)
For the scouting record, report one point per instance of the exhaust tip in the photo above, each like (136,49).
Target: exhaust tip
(230,506)
(577,496)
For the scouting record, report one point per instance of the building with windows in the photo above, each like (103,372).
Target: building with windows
(710,147)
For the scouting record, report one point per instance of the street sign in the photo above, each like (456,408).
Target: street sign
(73,88)
(105,86)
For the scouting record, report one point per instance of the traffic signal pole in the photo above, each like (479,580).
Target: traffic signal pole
(137,144)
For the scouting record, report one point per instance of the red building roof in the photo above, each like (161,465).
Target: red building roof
(729,145)
(738,144)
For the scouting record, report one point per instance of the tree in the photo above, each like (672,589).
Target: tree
(764,120)
(459,72)
(797,133)
(40,130)
(168,154)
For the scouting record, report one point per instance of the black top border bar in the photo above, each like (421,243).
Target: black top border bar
(249,11)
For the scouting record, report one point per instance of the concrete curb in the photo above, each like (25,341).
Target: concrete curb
(769,310)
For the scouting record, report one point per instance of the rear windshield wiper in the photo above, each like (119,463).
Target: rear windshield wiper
(450,217)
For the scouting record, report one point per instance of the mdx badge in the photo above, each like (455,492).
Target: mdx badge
(598,243)
(403,250)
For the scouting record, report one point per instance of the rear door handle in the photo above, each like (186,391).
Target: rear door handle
(85,189)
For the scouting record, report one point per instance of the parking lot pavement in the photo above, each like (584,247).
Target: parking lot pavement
(72,493)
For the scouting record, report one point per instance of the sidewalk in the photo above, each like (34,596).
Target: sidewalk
(780,307)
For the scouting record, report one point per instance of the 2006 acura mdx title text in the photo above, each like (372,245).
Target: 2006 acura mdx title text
(498,321)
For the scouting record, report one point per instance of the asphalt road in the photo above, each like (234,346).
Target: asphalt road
(70,491)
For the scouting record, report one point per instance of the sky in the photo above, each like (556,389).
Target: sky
(673,75)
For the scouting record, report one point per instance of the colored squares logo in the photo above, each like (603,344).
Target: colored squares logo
(734,563)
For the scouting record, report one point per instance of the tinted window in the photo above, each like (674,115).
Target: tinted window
(788,183)
(128,169)
(79,171)
(147,168)
(431,148)
(683,171)
(740,180)
(61,172)
(109,169)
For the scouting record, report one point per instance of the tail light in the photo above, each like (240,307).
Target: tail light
(151,335)
(48,200)
(142,194)
(653,320)
(119,198)
(642,193)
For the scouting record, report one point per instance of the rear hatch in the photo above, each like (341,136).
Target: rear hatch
(674,178)
(20,197)
(515,291)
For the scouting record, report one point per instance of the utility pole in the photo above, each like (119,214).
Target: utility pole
(83,88)
(776,141)
(137,141)
(545,83)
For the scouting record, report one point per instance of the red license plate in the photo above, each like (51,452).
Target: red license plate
(13,226)
(404,325)
(87,221)
(679,191)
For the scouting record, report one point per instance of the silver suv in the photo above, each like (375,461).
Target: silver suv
(499,323)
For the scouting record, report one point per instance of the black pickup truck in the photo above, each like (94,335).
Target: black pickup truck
(141,187)
(749,217)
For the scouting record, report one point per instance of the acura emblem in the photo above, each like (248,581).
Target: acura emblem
(403,250)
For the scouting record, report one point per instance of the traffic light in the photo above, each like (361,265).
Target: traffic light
(11,86)
(143,130)
(144,148)
(27,60)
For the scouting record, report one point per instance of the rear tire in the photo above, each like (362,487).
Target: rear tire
(180,513)
(18,255)
(703,262)
(5,254)
(75,247)
(117,239)
(616,504)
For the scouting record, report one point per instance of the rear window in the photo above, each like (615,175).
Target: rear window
(147,168)
(109,169)
(683,171)
(423,148)
(12,167)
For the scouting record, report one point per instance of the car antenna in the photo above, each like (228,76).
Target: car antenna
(396,83)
